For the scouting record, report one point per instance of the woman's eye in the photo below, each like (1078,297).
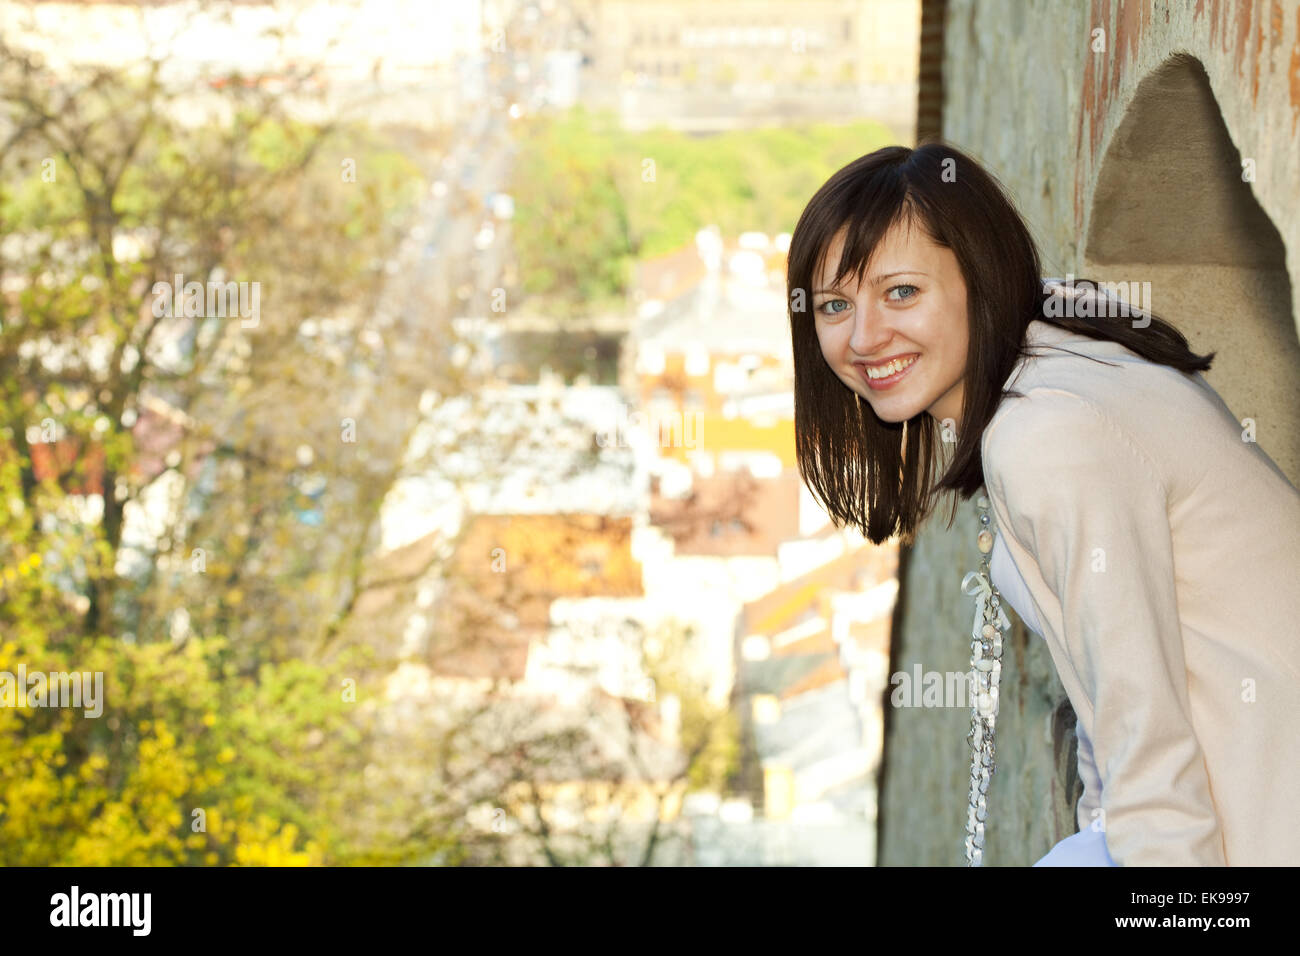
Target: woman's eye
(824,311)
(906,297)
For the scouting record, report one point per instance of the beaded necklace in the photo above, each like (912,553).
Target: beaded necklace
(985,676)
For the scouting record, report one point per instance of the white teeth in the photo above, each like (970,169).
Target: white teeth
(897,365)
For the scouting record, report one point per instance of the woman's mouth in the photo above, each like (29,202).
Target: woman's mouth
(894,373)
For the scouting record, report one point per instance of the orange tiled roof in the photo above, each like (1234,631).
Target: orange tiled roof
(668,276)
(506,571)
(769,507)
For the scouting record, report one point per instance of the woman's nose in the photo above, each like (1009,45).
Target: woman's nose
(868,331)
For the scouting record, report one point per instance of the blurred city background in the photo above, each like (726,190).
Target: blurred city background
(397,410)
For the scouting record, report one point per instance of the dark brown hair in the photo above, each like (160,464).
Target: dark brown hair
(879,476)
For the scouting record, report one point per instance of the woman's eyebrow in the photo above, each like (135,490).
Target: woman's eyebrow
(877,280)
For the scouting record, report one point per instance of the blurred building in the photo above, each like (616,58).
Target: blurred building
(711,347)
(669,501)
(809,620)
(814,660)
(728,64)
(420,62)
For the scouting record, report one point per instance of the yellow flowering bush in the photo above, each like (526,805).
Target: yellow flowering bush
(189,763)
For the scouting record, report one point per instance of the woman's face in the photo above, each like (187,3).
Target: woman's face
(911,303)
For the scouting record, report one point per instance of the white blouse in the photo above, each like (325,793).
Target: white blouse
(1006,578)
(1088,846)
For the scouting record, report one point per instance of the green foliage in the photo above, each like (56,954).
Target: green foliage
(216,744)
(592,198)
(709,731)
(178,732)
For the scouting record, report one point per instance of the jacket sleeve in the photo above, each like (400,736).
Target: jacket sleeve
(1075,492)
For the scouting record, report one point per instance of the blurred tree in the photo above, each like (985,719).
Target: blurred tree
(186,507)
(513,780)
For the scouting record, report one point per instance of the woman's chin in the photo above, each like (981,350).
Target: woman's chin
(892,413)
(888,408)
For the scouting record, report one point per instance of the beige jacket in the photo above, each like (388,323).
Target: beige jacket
(1161,553)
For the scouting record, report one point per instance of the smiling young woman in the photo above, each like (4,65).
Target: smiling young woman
(956,281)
(1152,548)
